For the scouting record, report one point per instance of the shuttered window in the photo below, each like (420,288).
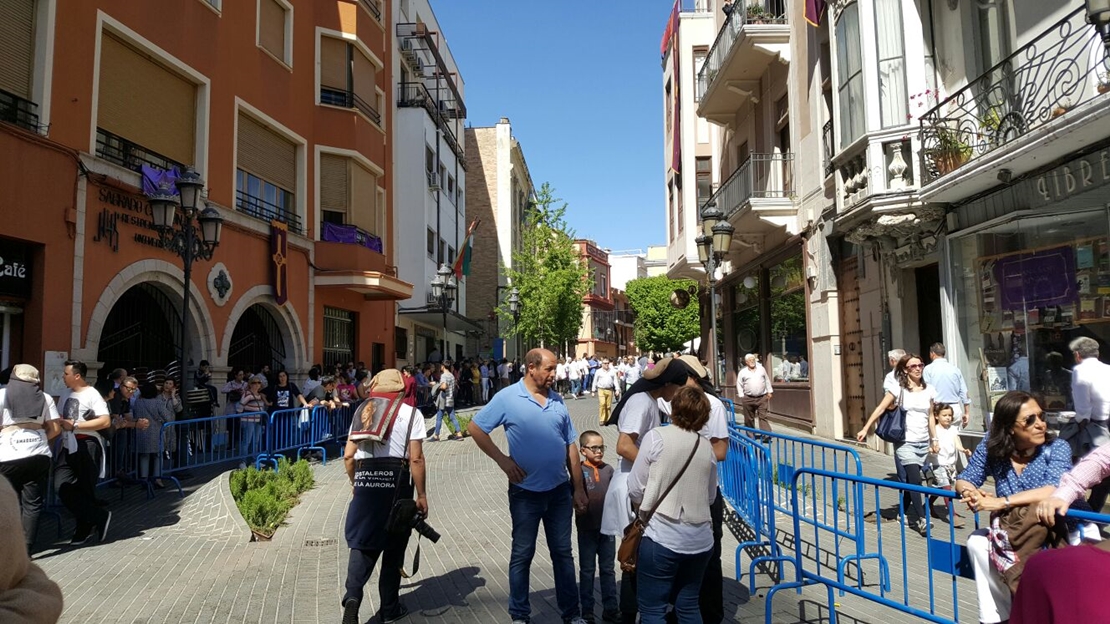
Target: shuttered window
(334,183)
(17,44)
(267,154)
(365,78)
(333,63)
(345,72)
(144,102)
(364,199)
(271,27)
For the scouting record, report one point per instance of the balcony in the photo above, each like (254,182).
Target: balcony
(749,41)
(266,211)
(763,184)
(18,111)
(416,95)
(374,7)
(349,258)
(343,98)
(118,150)
(350,235)
(828,141)
(1043,102)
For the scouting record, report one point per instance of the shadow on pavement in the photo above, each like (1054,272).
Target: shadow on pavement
(436,595)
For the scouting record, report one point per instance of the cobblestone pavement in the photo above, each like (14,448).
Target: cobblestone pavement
(172,560)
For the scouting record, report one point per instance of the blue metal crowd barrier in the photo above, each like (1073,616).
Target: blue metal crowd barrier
(198,442)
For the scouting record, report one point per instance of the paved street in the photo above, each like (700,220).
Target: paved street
(191,560)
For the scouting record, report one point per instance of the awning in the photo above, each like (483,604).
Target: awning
(433,317)
(371,284)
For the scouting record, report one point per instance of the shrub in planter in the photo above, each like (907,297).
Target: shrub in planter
(264,497)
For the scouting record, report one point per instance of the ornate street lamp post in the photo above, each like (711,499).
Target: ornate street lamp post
(713,244)
(1098,14)
(443,291)
(514,309)
(194,236)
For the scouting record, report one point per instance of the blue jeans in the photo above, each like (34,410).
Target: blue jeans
(451,415)
(555,508)
(252,435)
(597,551)
(575,387)
(662,573)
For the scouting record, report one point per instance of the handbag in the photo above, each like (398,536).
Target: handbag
(892,424)
(629,550)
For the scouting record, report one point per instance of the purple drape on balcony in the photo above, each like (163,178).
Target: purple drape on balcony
(153,178)
(350,235)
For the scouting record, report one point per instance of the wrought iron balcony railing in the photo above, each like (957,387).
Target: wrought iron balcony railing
(828,139)
(336,96)
(1064,67)
(18,111)
(754,13)
(116,149)
(266,211)
(416,95)
(761,176)
(350,235)
(374,6)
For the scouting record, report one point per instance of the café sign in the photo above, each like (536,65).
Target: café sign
(15,269)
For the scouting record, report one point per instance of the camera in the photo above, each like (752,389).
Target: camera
(405,516)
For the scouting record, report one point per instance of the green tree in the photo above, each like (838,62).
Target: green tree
(550,276)
(659,325)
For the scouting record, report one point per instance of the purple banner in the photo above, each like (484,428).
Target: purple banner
(350,235)
(155,179)
(1038,279)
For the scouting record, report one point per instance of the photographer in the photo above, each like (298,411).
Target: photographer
(384,458)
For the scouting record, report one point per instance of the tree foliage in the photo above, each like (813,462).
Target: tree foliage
(551,277)
(659,325)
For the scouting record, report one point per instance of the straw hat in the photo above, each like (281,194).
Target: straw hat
(26,372)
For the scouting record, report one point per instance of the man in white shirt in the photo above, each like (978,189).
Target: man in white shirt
(890,382)
(574,375)
(1090,393)
(753,386)
(605,385)
(948,382)
(81,463)
(561,376)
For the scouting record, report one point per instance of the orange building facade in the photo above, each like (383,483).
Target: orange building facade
(280,106)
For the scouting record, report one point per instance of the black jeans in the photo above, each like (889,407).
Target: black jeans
(360,565)
(712,597)
(28,476)
(75,480)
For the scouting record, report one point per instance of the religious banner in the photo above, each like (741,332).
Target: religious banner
(1036,279)
(279,254)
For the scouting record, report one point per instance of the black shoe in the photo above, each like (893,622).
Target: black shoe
(350,611)
(613,617)
(102,528)
(401,613)
(81,536)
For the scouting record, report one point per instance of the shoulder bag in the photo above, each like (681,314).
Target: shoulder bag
(892,424)
(629,550)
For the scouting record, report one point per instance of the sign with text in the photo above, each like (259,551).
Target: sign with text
(119,208)
(15,268)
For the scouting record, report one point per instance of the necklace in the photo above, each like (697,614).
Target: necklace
(1026,454)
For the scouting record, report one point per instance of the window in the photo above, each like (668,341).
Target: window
(429,159)
(339,336)
(451,188)
(143,104)
(17,32)
(266,174)
(699,60)
(850,76)
(442,251)
(670,109)
(348,78)
(275,29)
(365,210)
(401,343)
(705,180)
(450,255)
(670,210)
(893,103)
(431,243)
(334,188)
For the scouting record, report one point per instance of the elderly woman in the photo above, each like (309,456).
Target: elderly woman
(674,480)
(909,455)
(153,408)
(1026,463)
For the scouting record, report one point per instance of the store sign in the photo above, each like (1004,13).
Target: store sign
(125,209)
(1081,174)
(15,269)
(1033,280)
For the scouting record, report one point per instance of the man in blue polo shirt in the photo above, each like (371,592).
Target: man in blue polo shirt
(542,450)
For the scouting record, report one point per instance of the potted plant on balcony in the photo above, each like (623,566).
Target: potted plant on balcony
(950,151)
(1103,82)
(755,14)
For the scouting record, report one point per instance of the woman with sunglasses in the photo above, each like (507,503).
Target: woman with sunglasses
(909,455)
(1026,463)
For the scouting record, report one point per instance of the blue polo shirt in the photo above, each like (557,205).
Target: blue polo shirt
(538,435)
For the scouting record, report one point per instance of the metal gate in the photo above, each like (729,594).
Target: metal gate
(256,341)
(339,337)
(851,345)
(142,331)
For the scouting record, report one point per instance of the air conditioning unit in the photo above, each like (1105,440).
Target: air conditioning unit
(433,181)
(408,53)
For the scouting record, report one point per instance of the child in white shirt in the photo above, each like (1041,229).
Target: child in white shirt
(944,448)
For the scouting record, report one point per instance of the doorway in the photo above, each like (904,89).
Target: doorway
(930,331)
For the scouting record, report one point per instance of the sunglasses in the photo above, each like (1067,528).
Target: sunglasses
(915,366)
(1031,421)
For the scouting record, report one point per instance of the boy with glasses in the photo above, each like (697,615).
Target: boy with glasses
(594,548)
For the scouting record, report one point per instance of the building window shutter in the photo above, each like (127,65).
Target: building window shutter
(146,103)
(365,76)
(271,27)
(364,196)
(334,183)
(17,44)
(266,154)
(333,63)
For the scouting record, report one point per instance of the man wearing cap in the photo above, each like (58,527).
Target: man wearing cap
(383,468)
(29,420)
(543,445)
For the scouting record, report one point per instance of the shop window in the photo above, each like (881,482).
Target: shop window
(1023,291)
(746,319)
(788,348)
(339,336)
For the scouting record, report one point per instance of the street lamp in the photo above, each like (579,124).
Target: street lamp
(514,309)
(713,244)
(1098,13)
(188,239)
(443,291)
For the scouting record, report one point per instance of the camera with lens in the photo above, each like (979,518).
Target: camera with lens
(405,516)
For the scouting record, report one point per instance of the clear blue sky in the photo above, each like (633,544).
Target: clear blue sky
(581,83)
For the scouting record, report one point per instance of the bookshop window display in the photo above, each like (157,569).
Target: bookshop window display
(1024,289)
(769,319)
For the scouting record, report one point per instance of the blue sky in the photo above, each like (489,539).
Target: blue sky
(581,83)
